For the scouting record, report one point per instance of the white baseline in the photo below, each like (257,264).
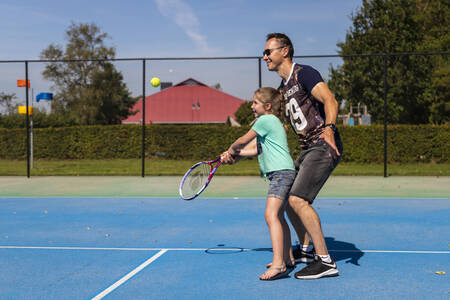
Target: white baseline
(209,249)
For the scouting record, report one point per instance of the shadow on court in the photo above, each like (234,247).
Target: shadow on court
(339,250)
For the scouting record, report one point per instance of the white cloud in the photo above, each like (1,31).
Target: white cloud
(183,15)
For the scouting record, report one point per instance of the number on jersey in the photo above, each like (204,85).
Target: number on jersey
(296,115)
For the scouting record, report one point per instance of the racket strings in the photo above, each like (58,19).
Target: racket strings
(195,180)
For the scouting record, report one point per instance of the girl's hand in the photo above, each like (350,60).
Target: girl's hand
(227,158)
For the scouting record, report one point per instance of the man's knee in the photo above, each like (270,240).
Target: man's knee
(297,202)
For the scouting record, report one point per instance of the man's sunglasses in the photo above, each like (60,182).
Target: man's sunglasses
(269,51)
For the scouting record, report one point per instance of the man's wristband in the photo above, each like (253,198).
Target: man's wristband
(331,125)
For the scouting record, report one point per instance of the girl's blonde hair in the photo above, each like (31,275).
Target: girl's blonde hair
(275,98)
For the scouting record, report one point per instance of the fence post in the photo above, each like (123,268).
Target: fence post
(259,73)
(143,118)
(385,115)
(27,119)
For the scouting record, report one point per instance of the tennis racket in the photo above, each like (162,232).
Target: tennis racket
(197,178)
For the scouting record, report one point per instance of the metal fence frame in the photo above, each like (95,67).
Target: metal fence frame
(257,58)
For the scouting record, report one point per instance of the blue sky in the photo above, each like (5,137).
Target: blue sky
(175,28)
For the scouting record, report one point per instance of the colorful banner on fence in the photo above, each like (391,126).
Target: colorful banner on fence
(44,96)
(21,83)
(23,110)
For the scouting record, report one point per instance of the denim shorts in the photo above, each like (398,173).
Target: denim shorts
(280,183)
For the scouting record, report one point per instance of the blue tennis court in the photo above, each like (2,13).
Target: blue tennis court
(215,248)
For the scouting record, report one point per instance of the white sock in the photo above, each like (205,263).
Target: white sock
(325,258)
(307,248)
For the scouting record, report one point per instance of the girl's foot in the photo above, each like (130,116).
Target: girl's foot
(289,264)
(274,273)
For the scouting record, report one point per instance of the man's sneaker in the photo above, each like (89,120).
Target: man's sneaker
(318,269)
(301,256)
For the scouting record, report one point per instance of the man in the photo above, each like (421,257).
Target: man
(311,109)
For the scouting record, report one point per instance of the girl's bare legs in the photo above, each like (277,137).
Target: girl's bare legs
(275,209)
(288,256)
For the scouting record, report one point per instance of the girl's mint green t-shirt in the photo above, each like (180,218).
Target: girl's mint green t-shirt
(272,141)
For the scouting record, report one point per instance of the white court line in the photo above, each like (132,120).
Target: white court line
(210,249)
(120,249)
(129,275)
(90,248)
(394,251)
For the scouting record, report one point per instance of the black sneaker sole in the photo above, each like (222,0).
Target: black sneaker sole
(328,273)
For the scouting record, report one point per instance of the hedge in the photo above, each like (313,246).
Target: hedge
(362,144)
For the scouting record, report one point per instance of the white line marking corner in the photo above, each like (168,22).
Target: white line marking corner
(129,275)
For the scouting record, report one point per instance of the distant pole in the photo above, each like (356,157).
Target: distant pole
(143,118)
(259,73)
(27,119)
(385,115)
(31,130)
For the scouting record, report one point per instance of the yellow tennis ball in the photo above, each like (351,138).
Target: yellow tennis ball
(155,82)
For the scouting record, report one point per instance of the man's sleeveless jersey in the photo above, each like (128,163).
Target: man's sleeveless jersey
(306,114)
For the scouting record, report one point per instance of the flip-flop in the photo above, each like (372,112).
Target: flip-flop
(280,275)
(289,266)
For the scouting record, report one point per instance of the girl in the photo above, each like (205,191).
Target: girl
(267,139)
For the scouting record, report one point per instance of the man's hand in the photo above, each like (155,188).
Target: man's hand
(328,136)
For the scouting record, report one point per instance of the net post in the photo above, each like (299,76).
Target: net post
(143,119)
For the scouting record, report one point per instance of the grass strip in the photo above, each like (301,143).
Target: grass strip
(161,167)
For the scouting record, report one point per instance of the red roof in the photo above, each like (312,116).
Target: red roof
(189,101)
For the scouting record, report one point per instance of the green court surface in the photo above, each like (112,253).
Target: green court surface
(221,186)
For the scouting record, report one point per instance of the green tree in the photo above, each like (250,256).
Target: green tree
(417,90)
(82,92)
(244,114)
(435,20)
(7,103)
(107,97)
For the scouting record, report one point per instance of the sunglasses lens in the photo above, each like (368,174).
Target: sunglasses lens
(266,52)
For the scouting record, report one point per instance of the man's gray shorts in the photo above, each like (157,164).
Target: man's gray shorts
(314,166)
